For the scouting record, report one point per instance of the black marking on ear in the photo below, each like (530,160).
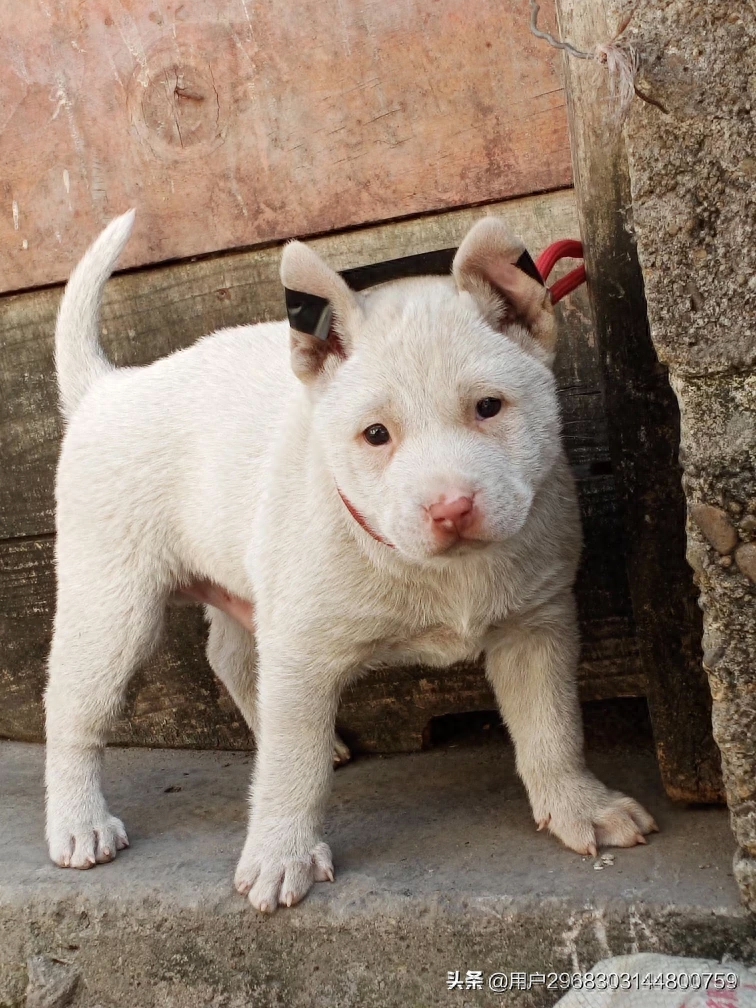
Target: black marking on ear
(308,313)
(526,264)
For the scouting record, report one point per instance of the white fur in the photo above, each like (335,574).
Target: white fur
(222,464)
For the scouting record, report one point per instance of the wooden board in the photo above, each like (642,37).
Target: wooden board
(175,700)
(643,424)
(234,122)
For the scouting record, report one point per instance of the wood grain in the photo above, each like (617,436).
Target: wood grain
(234,122)
(643,425)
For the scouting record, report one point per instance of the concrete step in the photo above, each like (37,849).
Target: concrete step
(439,868)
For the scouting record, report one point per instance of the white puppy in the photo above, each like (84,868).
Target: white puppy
(392,489)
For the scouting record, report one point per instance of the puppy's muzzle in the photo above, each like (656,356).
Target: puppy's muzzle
(453,519)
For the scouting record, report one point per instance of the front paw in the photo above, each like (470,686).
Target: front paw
(271,876)
(87,841)
(585,815)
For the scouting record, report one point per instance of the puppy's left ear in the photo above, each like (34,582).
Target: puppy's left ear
(494,266)
(322,312)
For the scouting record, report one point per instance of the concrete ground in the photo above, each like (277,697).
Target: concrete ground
(439,868)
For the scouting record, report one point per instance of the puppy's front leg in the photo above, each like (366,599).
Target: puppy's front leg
(532,671)
(283,853)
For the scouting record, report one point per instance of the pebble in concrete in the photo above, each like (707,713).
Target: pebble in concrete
(716,526)
(745,557)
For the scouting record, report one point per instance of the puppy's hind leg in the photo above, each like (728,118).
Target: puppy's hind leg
(104,628)
(232,656)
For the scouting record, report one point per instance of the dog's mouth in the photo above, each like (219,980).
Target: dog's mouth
(462,546)
(434,551)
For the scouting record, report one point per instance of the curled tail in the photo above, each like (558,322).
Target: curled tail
(79,360)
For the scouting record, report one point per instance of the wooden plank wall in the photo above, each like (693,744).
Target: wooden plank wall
(234,122)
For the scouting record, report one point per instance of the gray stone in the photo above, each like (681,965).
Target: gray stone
(52,982)
(438,867)
(694,218)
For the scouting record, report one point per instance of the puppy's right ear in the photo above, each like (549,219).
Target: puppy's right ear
(322,311)
(491,260)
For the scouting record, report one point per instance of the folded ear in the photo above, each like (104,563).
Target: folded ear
(494,266)
(321,308)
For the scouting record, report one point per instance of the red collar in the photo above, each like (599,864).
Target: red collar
(362,522)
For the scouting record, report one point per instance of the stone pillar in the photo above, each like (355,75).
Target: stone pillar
(693,177)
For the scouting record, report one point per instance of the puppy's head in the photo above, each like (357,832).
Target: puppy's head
(434,403)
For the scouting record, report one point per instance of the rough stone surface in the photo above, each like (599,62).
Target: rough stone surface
(745,557)
(438,868)
(694,214)
(52,983)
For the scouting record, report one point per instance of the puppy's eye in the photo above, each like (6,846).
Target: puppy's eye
(376,434)
(487,408)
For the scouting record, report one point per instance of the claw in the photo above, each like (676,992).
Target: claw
(592,850)
(341,752)
(330,875)
(653,828)
(639,838)
(543,823)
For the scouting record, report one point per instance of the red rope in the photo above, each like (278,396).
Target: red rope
(568,248)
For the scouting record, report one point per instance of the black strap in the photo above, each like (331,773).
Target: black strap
(423,264)
(310,314)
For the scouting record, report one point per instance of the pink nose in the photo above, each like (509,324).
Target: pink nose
(453,515)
